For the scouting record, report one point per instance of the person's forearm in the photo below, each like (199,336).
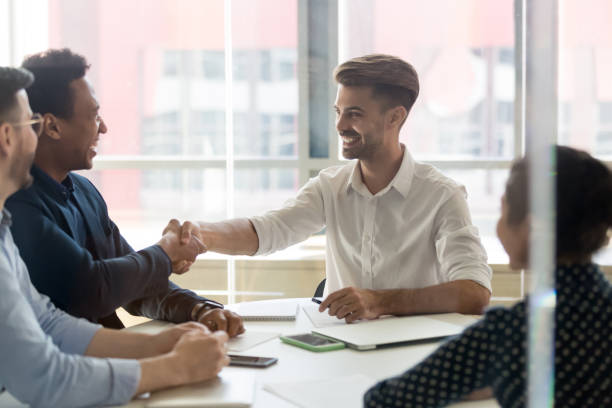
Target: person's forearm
(121,344)
(232,237)
(462,296)
(158,373)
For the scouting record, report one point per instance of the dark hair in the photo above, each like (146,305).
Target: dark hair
(11,81)
(390,77)
(54,70)
(583,201)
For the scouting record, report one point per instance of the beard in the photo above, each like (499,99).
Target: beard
(362,150)
(20,171)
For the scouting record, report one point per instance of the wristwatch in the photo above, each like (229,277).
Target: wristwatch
(202,307)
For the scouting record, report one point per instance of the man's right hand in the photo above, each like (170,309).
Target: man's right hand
(181,253)
(196,356)
(199,356)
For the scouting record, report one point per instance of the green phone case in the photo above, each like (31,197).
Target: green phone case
(310,347)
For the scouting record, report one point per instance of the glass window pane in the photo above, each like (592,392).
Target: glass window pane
(464,55)
(265,87)
(259,189)
(158,69)
(141,202)
(585,83)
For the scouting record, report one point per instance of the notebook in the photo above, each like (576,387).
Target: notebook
(371,334)
(323,393)
(265,310)
(249,339)
(229,389)
(321,319)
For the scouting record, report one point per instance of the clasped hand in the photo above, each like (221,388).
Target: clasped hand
(181,244)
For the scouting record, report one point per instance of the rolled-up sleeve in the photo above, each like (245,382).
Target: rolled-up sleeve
(299,218)
(40,349)
(459,250)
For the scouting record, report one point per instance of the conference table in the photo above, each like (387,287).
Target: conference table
(297,364)
(294,365)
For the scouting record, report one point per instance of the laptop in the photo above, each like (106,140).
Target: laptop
(391,330)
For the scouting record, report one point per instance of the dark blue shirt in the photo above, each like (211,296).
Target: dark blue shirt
(76,255)
(73,213)
(493,351)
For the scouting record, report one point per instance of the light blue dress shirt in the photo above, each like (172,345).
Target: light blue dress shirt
(41,347)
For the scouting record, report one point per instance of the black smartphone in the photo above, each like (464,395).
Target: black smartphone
(251,361)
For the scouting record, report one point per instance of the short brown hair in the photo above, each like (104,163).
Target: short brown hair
(390,77)
(12,80)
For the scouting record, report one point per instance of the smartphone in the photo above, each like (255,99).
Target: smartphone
(251,361)
(312,342)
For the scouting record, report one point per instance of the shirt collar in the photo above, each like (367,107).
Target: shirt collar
(5,218)
(63,189)
(400,182)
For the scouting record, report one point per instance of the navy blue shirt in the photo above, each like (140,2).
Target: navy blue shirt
(493,351)
(76,255)
(73,213)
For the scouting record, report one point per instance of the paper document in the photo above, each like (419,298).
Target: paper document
(319,319)
(249,339)
(265,310)
(229,389)
(346,392)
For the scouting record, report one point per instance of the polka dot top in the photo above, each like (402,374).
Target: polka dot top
(493,351)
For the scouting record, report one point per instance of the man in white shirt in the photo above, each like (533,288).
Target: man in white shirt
(399,235)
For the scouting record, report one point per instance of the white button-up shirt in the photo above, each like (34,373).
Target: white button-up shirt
(414,233)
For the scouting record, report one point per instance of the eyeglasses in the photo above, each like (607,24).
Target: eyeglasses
(36,122)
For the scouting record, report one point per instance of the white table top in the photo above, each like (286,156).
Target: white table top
(295,364)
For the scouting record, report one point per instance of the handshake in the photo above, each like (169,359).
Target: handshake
(182,243)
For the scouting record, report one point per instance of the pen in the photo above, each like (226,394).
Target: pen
(314,299)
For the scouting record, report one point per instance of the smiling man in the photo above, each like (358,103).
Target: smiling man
(49,358)
(399,235)
(74,252)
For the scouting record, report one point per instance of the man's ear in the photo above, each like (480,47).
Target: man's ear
(52,126)
(397,116)
(7,135)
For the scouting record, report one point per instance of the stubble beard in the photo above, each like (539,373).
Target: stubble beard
(21,171)
(364,151)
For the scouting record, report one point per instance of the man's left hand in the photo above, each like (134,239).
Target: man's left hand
(351,304)
(221,319)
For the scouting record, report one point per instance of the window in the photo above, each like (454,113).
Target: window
(172,110)
(463,120)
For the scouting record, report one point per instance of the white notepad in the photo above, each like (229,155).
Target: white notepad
(265,310)
(371,334)
(229,389)
(249,339)
(323,393)
(321,319)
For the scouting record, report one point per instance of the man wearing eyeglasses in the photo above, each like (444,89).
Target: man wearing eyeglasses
(47,358)
(74,252)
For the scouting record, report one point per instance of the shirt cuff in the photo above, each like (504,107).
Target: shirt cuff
(81,334)
(165,256)
(259,229)
(482,278)
(126,376)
